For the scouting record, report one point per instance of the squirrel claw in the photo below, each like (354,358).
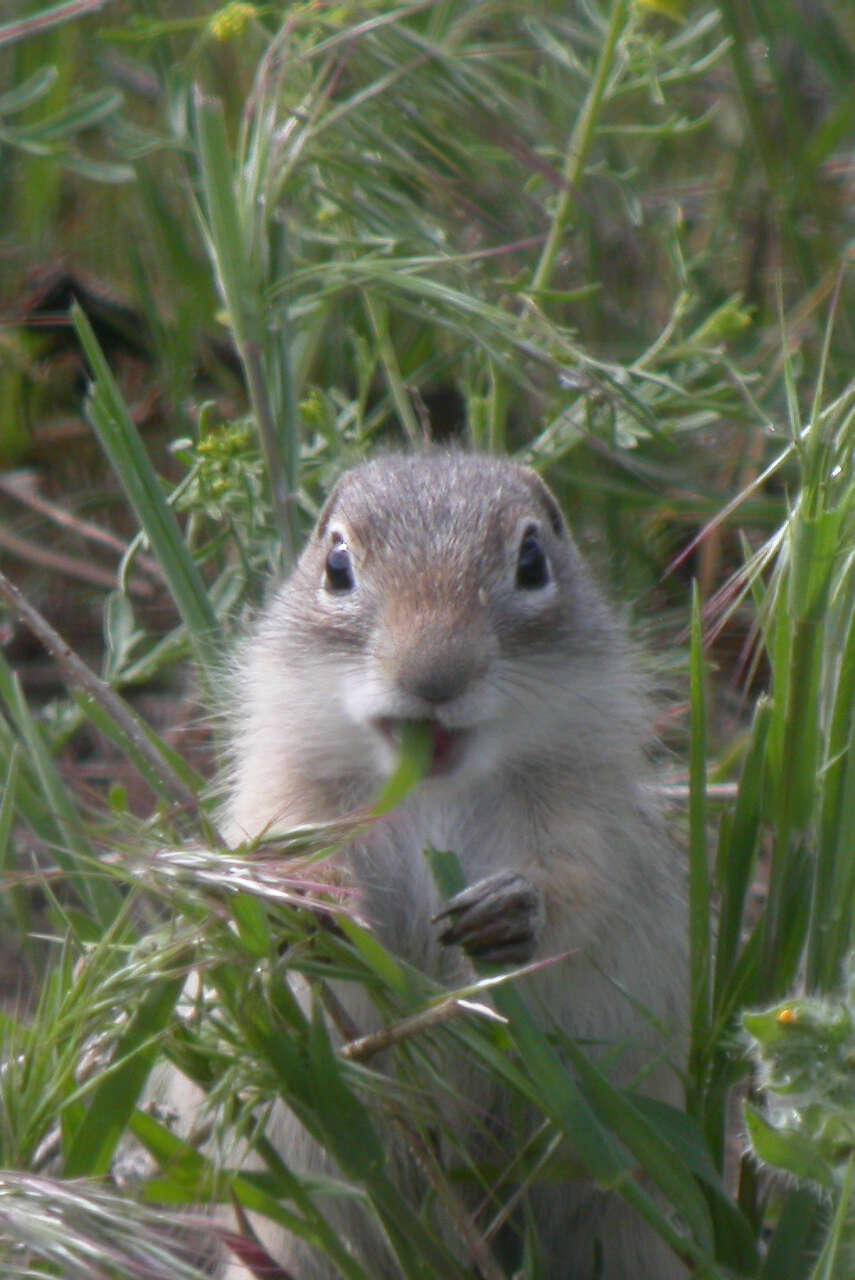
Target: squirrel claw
(497,919)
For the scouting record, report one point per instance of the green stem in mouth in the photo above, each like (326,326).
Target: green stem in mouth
(415,742)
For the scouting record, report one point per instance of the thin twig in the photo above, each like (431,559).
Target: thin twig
(69,566)
(375,1042)
(12,31)
(461,1218)
(21,486)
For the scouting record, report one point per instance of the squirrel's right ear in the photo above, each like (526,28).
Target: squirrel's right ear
(327,509)
(544,495)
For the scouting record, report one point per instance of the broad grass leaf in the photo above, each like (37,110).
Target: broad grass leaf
(115,1096)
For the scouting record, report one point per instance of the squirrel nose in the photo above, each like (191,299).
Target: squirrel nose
(440,682)
(436,667)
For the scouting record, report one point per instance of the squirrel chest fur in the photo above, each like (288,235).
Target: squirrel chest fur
(445,589)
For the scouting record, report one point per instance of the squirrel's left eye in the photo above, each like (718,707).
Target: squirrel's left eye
(532,564)
(339,569)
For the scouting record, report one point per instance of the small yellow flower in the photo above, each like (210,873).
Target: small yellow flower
(675,9)
(231,20)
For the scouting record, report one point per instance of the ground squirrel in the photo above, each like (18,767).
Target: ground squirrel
(445,587)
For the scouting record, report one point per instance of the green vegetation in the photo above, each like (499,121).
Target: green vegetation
(611,237)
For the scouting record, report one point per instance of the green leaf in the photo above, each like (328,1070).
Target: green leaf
(374,954)
(738,851)
(835,1261)
(7,807)
(186,1177)
(415,752)
(115,1096)
(834,877)
(699,891)
(787,1150)
(659,1158)
(446,871)
(225,230)
(348,1131)
(588,1128)
(309,1224)
(97,170)
(253,926)
(794,1240)
(29,91)
(117,432)
(735,1243)
(74,853)
(85,114)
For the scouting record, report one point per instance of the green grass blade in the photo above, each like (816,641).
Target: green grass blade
(118,435)
(74,854)
(835,1261)
(834,879)
(114,1098)
(7,808)
(606,1160)
(25,94)
(657,1157)
(309,1224)
(236,255)
(793,1241)
(699,888)
(29,801)
(738,855)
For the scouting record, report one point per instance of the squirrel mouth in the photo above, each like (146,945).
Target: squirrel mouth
(442,749)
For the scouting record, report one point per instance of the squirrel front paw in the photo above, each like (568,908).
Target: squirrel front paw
(497,919)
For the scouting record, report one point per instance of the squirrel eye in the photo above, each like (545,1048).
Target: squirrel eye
(532,565)
(339,569)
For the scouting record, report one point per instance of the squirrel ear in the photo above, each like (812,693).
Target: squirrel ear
(327,509)
(545,496)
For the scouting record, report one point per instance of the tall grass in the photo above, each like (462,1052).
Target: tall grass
(615,234)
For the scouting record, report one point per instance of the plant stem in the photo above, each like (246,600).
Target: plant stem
(281,492)
(579,146)
(699,895)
